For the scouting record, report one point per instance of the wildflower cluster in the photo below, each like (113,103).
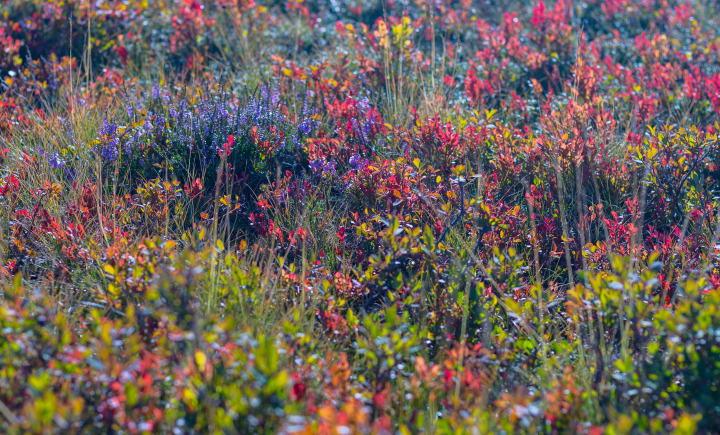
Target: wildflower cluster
(359,217)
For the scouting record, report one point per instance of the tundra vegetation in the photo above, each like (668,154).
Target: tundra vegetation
(359,216)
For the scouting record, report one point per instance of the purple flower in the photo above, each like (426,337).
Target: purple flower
(357,162)
(321,167)
(55,161)
(107,133)
(273,96)
(354,160)
(148,125)
(368,124)
(110,151)
(329,168)
(70,174)
(359,132)
(307,126)
(317,165)
(108,129)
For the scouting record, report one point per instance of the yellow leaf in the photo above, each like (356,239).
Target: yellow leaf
(105,333)
(109,269)
(200,359)
(189,395)
(39,382)
(113,289)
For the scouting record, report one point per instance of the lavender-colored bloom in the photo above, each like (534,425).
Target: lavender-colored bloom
(148,126)
(107,132)
(317,165)
(329,168)
(307,126)
(305,112)
(354,160)
(55,161)
(200,128)
(110,151)
(368,124)
(108,129)
(274,97)
(70,174)
(357,162)
(321,167)
(359,132)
